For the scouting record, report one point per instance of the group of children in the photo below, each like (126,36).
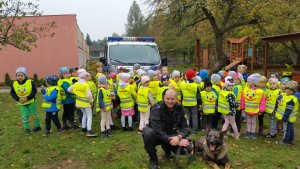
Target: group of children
(231,96)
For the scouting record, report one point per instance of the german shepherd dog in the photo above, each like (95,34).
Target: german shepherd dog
(213,149)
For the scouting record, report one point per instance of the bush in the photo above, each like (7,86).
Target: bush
(41,82)
(7,80)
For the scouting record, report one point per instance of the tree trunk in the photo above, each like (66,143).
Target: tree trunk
(221,61)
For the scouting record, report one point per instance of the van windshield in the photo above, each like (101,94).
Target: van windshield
(131,54)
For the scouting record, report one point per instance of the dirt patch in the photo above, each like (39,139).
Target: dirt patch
(65,164)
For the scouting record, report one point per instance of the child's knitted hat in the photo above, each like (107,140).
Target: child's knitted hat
(81,73)
(274,80)
(102,79)
(136,66)
(152,73)
(189,74)
(285,79)
(164,78)
(231,73)
(254,78)
(52,80)
(198,80)
(222,73)
(141,72)
(203,74)
(124,76)
(175,73)
(113,75)
(63,70)
(145,79)
(215,78)
(22,70)
(131,74)
(292,85)
(238,76)
(228,81)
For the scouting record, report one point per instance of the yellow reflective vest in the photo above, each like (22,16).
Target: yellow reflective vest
(209,100)
(61,90)
(161,89)
(238,96)
(189,92)
(176,88)
(93,88)
(223,104)
(80,90)
(106,99)
(282,106)
(23,90)
(72,78)
(252,100)
(153,86)
(271,97)
(49,89)
(127,96)
(142,99)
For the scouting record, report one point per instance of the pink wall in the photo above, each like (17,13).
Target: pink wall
(50,54)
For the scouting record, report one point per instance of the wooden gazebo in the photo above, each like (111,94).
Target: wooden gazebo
(277,39)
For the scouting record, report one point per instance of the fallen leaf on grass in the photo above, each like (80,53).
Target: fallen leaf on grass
(94,142)
(298,167)
(252,149)
(69,161)
(237,164)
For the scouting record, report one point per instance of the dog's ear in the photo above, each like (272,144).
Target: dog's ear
(208,131)
(222,133)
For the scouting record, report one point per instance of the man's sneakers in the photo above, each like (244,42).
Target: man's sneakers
(27,132)
(46,134)
(36,129)
(90,133)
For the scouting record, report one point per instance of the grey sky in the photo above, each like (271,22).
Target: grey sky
(98,18)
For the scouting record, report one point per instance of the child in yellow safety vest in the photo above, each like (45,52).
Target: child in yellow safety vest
(84,101)
(174,84)
(136,67)
(227,106)
(24,91)
(99,69)
(272,95)
(283,83)
(162,87)
(252,103)
(67,99)
(262,84)
(145,102)
(154,84)
(216,87)
(127,96)
(209,101)
(287,112)
(52,98)
(237,91)
(104,105)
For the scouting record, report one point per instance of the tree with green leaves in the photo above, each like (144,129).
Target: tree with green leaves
(136,24)
(88,40)
(20,33)
(222,16)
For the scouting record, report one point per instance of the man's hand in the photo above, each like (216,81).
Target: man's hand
(184,143)
(174,141)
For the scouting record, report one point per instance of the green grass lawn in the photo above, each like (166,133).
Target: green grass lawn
(124,150)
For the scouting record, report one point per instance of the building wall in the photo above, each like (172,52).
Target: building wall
(51,53)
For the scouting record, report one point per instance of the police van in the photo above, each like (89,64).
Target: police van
(126,51)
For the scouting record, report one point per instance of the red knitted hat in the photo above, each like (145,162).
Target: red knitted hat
(190,74)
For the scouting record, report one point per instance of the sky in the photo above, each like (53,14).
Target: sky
(98,18)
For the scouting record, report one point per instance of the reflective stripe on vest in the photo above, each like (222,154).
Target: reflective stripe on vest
(271,97)
(106,99)
(189,92)
(125,97)
(80,90)
(153,86)
(23,90)
(282,107)
(47,104)
(252,100)
(176,88)
(142,99)
(209,100)
(223,104)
